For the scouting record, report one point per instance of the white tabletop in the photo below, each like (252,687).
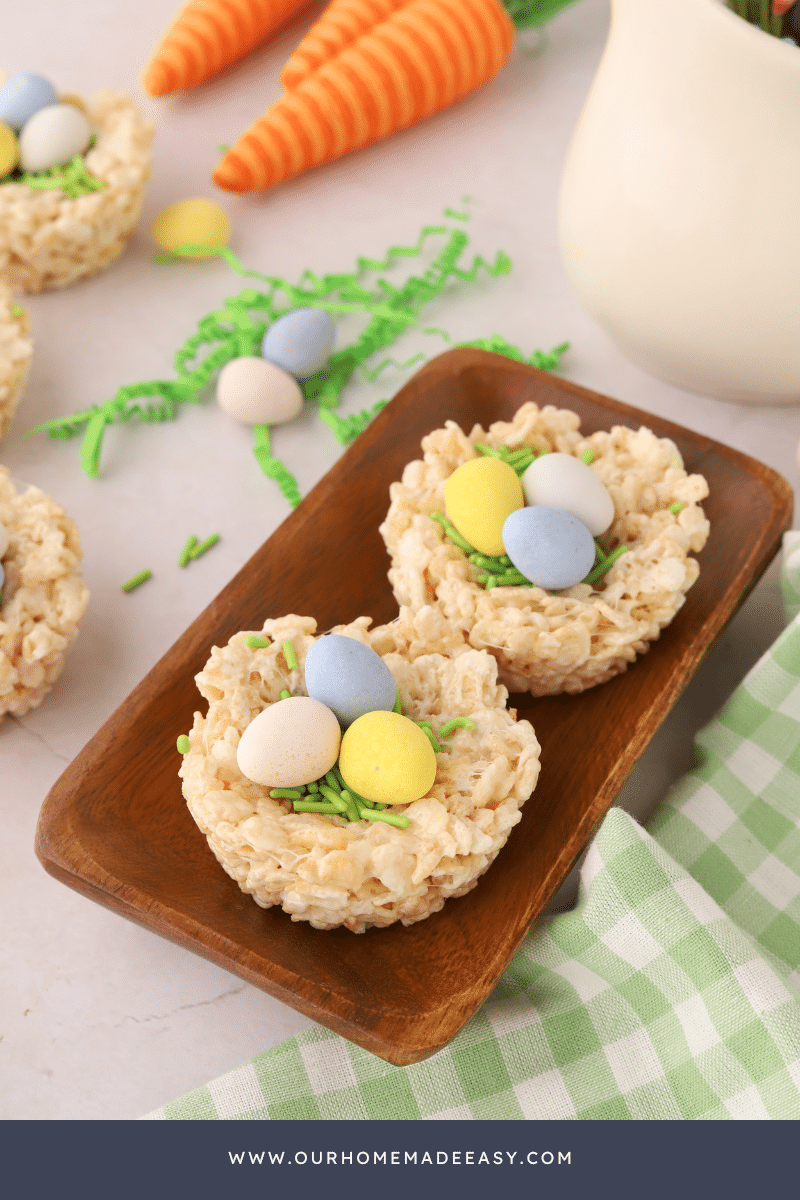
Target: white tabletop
(100,1018)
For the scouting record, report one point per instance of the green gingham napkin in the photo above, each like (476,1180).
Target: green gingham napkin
(672,991)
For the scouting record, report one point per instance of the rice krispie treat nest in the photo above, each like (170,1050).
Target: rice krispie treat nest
(44,597)
(547,642)
(48,240)
(323,868)
(16,348)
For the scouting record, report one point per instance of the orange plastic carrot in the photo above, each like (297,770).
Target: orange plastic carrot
(424,56)
(341,23)
(209,35)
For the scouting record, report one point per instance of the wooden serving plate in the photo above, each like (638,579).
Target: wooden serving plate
(115,826)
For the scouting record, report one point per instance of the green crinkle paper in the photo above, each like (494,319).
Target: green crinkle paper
(238,328)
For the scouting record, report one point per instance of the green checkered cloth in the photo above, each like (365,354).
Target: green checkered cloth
(672,990)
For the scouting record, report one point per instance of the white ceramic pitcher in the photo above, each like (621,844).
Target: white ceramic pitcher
(680,199)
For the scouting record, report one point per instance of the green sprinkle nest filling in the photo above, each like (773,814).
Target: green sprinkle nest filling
(73,179)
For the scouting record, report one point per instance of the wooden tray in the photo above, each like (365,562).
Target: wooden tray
(115,826)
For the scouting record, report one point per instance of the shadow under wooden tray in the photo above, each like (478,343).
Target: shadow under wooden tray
(115,826)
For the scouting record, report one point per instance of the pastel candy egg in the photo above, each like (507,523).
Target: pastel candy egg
(256,392)
(551,548)
(349,677)
(301,341)
(386,758)
(22,95)
(293,741)
(9,150)
(479,496)
(563,481)
(192,222)
(53,136)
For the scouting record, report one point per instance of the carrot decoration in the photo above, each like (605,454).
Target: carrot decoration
(341,23)
(209,35)
(422,57)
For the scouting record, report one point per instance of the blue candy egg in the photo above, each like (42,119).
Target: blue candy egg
(301,342)
(22,95)
(550,547)
(348,677)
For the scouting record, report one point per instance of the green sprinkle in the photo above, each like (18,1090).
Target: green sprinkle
(388,818)
(456,723)
(286,794)
(203,546)
(289,655)
(183,744)
(17,310)
(426,728)
(256,643)
(313,787)
(453,534)
(333,797)
(142,577)
(313,806)
(398,707)
(588,457)
(223,148)
(186,552)
(676,507)
(286,694)
(604,566)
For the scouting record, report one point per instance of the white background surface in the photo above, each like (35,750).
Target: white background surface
(100,1019)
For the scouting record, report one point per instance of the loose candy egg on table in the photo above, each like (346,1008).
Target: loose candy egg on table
(480,495)
(9,150)
(192,222)
(349,677)
(551,548)
(386,758)
(53,136)
(257,392)
(22,95)
(564,482)
(301,341)
(292,742)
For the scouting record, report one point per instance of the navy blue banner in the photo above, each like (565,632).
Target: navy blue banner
(393,1160)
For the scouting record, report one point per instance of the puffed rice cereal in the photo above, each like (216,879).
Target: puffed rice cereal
(323,868)
(16,348)
(548,642)
(44,597)
(50,241)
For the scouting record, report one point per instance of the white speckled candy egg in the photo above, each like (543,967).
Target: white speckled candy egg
(293,741)
(564,482)
(53,136)
(479,496)
(301,341)
(257,392)
(22,95)
(551,548)
(349,677)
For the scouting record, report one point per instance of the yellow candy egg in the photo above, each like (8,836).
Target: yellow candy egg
(193,222)
(9,149)
(386,758)
(480,495)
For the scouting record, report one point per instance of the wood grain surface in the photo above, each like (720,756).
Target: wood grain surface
(115,826)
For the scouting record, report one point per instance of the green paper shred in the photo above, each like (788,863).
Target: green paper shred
(73,179)
(237,328)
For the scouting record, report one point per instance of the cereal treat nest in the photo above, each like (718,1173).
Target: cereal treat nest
(16,348)
(48,240)
(44,597)
(548,642)
(327,870)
